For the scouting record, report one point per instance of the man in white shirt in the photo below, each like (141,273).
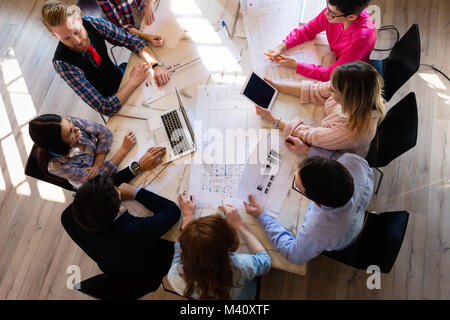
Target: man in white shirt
(339,186)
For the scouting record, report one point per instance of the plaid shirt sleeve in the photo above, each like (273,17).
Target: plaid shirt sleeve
(117,36)
(76,79)
(103,134)
(111,12)
(108,168)
(67,171)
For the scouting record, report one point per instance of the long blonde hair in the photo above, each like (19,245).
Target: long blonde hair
(360,88)
(55,13)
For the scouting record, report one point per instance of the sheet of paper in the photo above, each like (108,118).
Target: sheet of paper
(191,62)
(263,34)
(268,178)
(166,24)
(154,180)
(214,177)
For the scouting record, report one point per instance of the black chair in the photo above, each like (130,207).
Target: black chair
(91,8)
(105,287)
(396,134)
(32,169)
(378,244)
(402,62)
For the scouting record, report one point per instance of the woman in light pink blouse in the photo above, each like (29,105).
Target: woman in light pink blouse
(351,35)
(353,105)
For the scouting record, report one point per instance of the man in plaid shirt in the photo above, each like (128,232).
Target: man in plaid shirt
(82,60)
(120,13)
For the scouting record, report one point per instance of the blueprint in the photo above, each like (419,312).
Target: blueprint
(216,172)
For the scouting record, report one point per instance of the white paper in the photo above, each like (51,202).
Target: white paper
(154,180)
(268,179)
(214,181)
(166,24)
(191,62)
(264,34)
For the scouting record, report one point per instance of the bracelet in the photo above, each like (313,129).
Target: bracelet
(276,122)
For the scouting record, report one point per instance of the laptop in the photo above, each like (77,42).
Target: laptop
(173,130)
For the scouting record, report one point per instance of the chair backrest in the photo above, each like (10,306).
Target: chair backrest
(379,243)
(402,62)
(396,134)
(91,8)
(105,287)
(34,170)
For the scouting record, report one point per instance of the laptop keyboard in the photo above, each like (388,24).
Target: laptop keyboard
(175,132)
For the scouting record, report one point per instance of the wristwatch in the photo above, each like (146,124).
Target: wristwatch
(157,64)
(136,167)
(276,122)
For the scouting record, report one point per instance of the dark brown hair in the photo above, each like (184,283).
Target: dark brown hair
(326,181)
(45,131)
(206,245)
(349,7)
(96,204)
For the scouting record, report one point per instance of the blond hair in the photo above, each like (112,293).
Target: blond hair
(55,13)
(360,88)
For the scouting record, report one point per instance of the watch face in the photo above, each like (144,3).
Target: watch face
(134,165)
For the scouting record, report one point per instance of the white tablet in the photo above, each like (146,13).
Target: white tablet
(258,91)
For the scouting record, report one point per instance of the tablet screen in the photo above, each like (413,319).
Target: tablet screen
(259,91)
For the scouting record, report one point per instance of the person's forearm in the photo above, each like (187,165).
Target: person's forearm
(186,220)
(126,91)
(293,89)
(99,159)
(118,156)
(136,32)
(147,55)
(252,242)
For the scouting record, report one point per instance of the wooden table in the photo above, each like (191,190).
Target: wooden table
(133,116)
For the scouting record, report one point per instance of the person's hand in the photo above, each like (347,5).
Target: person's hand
(147,13)
(156,41)
(232,215)
(161,76)
(139,73)
(253,208)
(128,141)
(187,204)
(296,144)
(264,113)
(152,158)
(126,191)
(276,52)
(91,172)
(288,62)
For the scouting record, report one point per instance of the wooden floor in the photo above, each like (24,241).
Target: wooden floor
(35,252)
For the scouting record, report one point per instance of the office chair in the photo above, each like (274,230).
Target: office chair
(32,169)
(402,62)
(396,134)
(105,287)
(378,244)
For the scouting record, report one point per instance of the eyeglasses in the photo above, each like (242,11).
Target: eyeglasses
(294,186)
(332,14)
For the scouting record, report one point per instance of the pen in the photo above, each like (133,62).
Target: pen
(226,29)
(277,58)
